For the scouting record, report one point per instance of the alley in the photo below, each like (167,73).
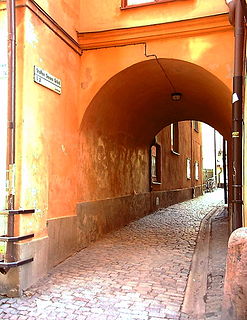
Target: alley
(138,272)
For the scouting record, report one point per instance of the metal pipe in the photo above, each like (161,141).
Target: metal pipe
(11,121)
(237,114)
(215,160)
(224,171)
(11,91)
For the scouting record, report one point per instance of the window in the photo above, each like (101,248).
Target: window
(135,3)
(175,138)
(155,163)
(197,170)
(188,170)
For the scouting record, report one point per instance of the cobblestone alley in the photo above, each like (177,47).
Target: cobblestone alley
(138,272)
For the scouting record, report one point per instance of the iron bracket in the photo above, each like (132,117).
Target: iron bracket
(16,239)
(238,201)
(21,211)
(14,264)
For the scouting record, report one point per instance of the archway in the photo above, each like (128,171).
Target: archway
(121,121)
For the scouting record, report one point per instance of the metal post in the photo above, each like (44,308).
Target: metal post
(11,93)
(215,160)
(237,117)
(11,122)
(224,171)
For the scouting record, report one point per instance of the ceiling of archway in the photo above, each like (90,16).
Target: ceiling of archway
(137,101)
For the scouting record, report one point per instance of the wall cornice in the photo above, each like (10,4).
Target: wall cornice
(141,34)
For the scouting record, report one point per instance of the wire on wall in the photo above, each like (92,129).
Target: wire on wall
(160,65)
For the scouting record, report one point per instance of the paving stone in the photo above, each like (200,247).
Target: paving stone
(137,273)
(217,263)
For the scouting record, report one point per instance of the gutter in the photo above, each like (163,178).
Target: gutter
(11,91)
(11,123)
(10,239)
(236,18)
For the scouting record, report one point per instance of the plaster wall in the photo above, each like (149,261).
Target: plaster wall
(174,172)
(108,14)
(83,156)
(47,126)
(112,166)
(204,50)
(197,154)
(65,12)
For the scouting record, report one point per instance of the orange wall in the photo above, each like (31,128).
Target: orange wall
(47,125)
(125,96)
(92,142)
(111,166)
(114,165)
(65,12)
(212,57)
(126,100)
(103,15)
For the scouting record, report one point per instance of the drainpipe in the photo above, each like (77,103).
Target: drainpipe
(224,171)
(215,161)
(11,91)
(11,123)
(237,19)
(10,238)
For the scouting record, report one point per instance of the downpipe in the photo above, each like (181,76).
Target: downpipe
(10,163)
(236,18)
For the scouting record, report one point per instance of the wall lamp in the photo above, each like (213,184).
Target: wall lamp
(176,96)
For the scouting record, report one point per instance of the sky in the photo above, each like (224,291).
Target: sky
(208,146)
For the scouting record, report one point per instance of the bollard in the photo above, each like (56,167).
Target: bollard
(235,288)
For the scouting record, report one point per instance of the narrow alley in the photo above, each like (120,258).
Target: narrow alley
(138,272)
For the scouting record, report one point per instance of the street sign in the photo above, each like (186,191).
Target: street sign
(47,80)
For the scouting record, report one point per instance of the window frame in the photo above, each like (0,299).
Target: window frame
(124,3)
(155,179)
(188,168)
(175,138)
(197,171)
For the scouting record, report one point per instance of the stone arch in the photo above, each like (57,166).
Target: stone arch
(133,106)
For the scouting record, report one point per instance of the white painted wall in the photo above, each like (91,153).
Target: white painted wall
(207,146)
(208,149)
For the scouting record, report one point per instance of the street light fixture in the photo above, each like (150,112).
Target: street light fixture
(176,96)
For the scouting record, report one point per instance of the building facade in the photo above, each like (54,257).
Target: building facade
(103,89)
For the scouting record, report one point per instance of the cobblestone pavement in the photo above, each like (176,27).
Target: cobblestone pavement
(217,264)
(136,273)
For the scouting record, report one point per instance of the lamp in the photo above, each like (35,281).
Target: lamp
(176,96)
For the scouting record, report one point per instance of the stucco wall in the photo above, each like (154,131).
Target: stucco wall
(86,152)
(97,15)
(65,12)
(47,125)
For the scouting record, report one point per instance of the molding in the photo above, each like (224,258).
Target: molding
(141,34)
(42,15)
